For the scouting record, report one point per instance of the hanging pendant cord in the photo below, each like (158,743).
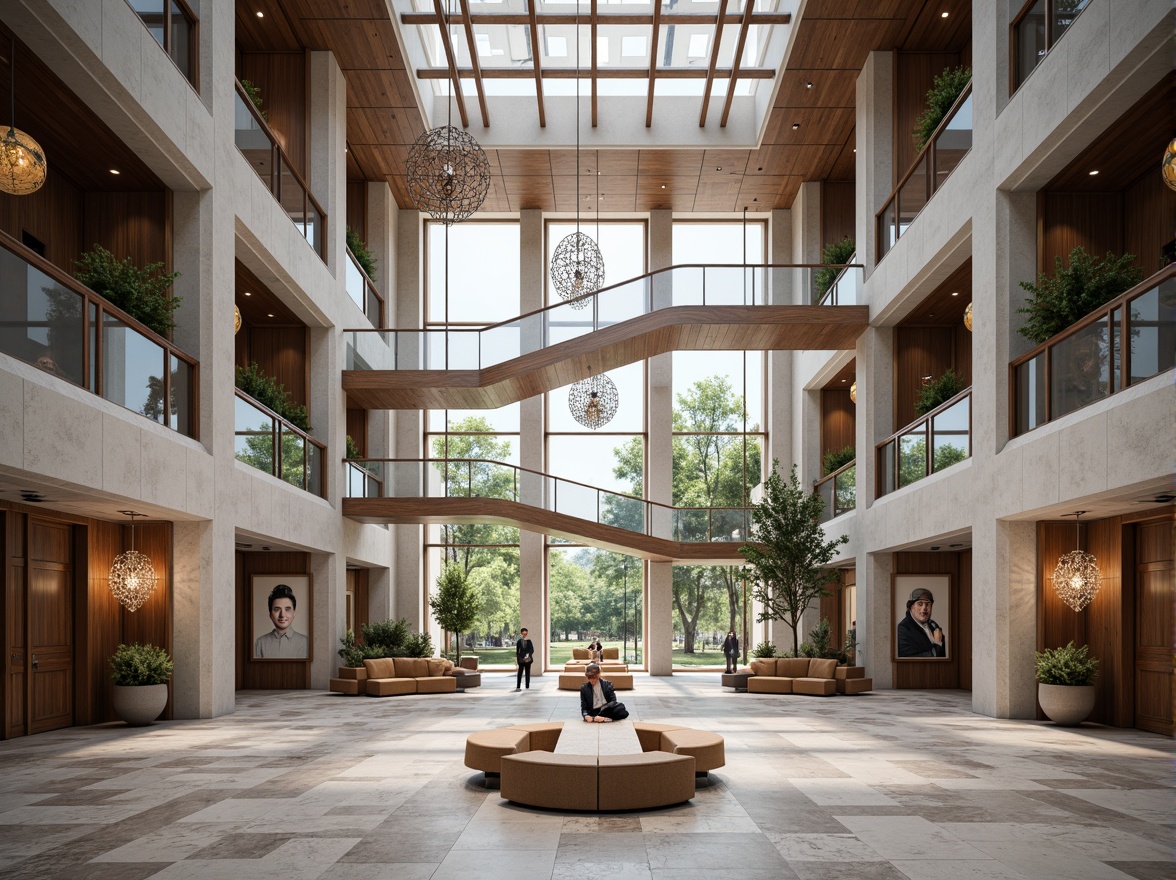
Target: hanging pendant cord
(578,130)
(12,89)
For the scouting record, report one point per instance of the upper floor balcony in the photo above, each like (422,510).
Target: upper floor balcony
(176,28)
(930,444)
(272,444)
(1035,29)
(363,292)
(838,490)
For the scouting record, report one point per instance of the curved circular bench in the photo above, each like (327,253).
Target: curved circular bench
(533,773)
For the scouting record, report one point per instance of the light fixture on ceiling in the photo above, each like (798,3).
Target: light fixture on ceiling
(115,172)
(853,391)
(260,14)
(796,126)
(1093,173)
(593,401)
(236,320)
(577,266)
(448,172)
(968,317)
(955,293)
(22,161)
(269,314)
(1168,167)
(132,576)
(944,14)
(1077,579)
(808,85)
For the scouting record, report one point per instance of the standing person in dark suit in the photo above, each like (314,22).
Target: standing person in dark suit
(919,635)
(524,654)
(731,651)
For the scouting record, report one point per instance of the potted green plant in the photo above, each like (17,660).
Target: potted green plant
(360,251)
(140,674)
(764,649)
(1065,684)
(944,91)
(1075,289)
(837,253)
(938,391)
(836,459)
(140,292)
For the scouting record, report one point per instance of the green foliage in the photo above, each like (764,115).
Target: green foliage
(790,556)
(270,392)
(944,91)
(938,391)
(140,292)
(1069,666)
(764,649)
(835,254)
(912,460)
(135,665)
(851,644)
(836,459)
(820,644)
(351,653)
(1074,291)
(418,645)
(457,602)
(254,94)
(387,635)
(352,449)
(362,255)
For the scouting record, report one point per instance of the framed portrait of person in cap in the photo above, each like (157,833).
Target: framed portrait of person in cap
(922,616)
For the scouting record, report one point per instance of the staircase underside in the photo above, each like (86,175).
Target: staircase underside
(678,328)
(495,511)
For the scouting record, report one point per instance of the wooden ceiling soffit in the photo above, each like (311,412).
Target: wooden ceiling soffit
(498,511)
(679,328)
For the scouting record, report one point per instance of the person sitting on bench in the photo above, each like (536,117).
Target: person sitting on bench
(598,700)
(595,650)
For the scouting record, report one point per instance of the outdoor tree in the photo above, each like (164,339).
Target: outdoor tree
(790,556)
(456,603)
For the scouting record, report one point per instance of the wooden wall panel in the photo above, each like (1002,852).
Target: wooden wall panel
(1067,220)
(962,356)
(919,352)
(282,353)
(357,207)
(269,675)
(362,601)
(357,428)
(838,414)
(1149,218)
(52,215)
(837,211)
(281,78)
(913,75)
(128,225)
(936,673)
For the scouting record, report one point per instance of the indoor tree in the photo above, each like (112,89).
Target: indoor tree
(456,603)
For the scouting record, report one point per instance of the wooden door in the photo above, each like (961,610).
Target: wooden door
(1154,594)
(15,682)
(49,626)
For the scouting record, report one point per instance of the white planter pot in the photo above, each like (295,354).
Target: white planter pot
(139,705)
(1066,705)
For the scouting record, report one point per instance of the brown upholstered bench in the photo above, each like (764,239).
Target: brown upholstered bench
(793,675)
(394,676)
(852,680)
(571,681)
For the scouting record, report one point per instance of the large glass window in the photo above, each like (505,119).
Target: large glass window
(594,594)
(719,243)
(479,283)
(709,602)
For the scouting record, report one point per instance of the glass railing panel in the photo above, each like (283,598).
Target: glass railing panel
(180,39)
(886,472)
(252,140)
(622,303)
(92,340)
(912,196)
(825,490)
(315,226)
(364,479)
(950,435)
(1152,317)
(293,450)
(568,321)
(372,351)
(353,279)
(182,393)
(887,231)
(498,344)
(41,323)
(575,500)
(623,512)
(729,524)
(132,369)
(691,525)
(1116,350)
(373,306)
(314,469)
(724,285)
(686,287)
(912,456)
(1031,394)
(1029,37)
(253,440)
(1079,370)
(953,142)
(292,197)
(845,490)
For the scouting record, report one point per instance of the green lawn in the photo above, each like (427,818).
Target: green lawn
(561,653)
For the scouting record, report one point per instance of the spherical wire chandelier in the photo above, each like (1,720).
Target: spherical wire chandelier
(577,266)
(132,577)
(22,161)
(448,172)
(593,401)
(1077,579)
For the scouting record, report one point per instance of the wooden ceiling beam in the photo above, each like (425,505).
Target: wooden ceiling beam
(595,19)
(532,14)
(656,28)
(607,19)
(474,65)
(744,27)
(607,73)
(452,59)
(714,61)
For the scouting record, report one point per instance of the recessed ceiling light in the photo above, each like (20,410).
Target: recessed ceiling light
(955,293)
(932,315)
(663,186)
(855,149)
(843,381)
(795,126)
(760,168)
(269,314)
(808,85)
(248,293)
(1092,173)
(719,168)
(115,171)
(261,14)
(944,14)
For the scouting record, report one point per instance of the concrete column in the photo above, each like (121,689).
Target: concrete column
(874,136)
(659,468)
(1004,618)
(329,574)
(383,221)
(779,391)
(659,610)
(875,637)
(328,140)
(204,591)
(806,239)
(875,406)
(380,594)
(780,251)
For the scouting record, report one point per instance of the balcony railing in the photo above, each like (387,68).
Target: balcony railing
(361,482)
(1089,361)
(936,441)
(266,441)
(1034,31)
(479,478)
(946,148)
(363,291)
(260,147)
(473,348)
(55,323)
(838,490)
(175,27)
(846,287)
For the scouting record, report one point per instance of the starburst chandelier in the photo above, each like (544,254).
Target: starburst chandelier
(593,401)
(577,266)
(448,172)
(132,577)
(1077,579)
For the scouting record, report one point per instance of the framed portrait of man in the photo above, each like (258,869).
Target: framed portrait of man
(283,616)
(922,616)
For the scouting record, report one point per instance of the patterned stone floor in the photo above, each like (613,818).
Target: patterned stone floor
(302,785)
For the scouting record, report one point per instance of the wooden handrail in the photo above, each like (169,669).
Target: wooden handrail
(926,417)
(1098,314)
(947,117)
(586,296)
(286,423)
(368,285)
(834,474)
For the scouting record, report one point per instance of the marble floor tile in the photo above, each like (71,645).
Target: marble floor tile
(909,837)
(822,848)
(1149,804)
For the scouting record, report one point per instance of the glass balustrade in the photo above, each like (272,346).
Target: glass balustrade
(473,348)
(56,324)
(838,490)
(946,148)
(1125,342)
(266,441)
(935,442)
(363,292)
(846,287)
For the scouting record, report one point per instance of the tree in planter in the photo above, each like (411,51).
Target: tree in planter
(362,255)
(838,458)
(944,91)
(837,253)
(140,292)
(270,392)
(457,602)
(1074,291)
(938,391)
(791,553)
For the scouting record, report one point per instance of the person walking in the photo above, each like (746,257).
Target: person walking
(731,651)
(524,654)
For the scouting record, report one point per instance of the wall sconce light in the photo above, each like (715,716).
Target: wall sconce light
(1077,579)
(132,577)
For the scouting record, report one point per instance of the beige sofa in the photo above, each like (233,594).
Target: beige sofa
(793,675)
(392,676)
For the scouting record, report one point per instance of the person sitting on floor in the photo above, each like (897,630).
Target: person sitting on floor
(598,700)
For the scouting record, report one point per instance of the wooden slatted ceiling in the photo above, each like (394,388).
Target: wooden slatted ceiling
(496,511)
(832,41)
(681,328)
